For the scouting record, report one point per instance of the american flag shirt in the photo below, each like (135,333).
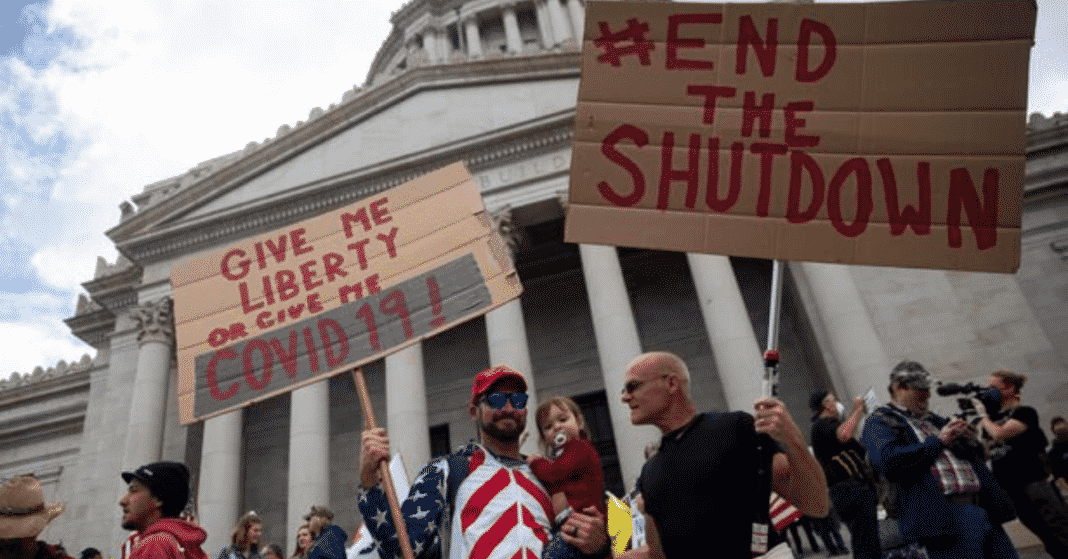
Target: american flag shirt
(501,511)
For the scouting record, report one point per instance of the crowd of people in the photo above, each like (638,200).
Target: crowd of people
(703,492)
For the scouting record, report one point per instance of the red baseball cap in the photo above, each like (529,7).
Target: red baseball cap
(485,380)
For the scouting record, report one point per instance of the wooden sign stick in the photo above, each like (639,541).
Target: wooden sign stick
(383,467)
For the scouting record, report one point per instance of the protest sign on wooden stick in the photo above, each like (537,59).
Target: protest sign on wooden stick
(879,133)
(291,307)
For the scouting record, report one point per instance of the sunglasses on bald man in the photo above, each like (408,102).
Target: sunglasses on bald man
(496,400)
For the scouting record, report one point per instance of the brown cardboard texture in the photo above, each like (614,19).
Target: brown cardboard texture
(882,133)
(299,304)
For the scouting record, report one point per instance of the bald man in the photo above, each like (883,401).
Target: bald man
(699,490)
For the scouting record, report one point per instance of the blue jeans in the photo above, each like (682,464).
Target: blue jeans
(855,503)
(976,537)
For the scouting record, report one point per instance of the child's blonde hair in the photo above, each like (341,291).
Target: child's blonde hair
(565,403)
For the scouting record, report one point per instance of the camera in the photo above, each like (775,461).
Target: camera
(989,397)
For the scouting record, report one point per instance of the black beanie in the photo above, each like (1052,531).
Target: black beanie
(168,482)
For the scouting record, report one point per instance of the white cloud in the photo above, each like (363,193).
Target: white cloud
(42,342)
(147,91)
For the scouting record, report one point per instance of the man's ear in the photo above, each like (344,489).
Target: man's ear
(472,410)
(674,384)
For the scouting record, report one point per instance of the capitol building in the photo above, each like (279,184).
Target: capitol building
(491,83)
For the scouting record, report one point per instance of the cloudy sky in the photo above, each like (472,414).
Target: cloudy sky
(99,98)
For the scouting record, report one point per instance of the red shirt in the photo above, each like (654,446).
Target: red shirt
(576,472)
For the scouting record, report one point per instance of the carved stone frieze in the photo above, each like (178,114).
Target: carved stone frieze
(549,136)
(155,321)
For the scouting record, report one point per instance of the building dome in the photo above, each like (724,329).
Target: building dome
(432,32)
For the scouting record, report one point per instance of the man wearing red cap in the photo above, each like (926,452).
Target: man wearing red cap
(482,502)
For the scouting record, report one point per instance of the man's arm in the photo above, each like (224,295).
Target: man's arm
(1011,428)
(423,510)
(796,475)
(895,450)
(848,429)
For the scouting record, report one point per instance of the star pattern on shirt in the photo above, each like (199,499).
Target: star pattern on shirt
(419,513)
(417,495)
(380,517)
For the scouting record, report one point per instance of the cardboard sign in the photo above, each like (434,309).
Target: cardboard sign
(883,133)
(294,306)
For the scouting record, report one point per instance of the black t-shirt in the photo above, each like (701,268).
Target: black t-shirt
(701,487)
(841,461)
(1021,459)
(1058,458)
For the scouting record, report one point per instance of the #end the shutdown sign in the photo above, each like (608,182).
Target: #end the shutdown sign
(291,307)
(870,133)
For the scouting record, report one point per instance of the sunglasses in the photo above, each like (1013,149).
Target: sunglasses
(633,385)
(497,400)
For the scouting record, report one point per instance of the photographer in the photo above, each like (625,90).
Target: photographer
(1018,456)
(947,499)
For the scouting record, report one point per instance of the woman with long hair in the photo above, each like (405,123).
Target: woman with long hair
(304,539)
(245,539)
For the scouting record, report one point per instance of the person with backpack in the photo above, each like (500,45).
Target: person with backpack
(482,501)
(850,478)
(155,497)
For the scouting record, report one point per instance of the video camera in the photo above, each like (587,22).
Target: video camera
(988,396)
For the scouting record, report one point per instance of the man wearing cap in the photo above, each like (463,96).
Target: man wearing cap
(947,499)
(482,501)
(155,497)
(23,516)
(328,539)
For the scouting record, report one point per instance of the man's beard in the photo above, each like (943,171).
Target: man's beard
(504,434)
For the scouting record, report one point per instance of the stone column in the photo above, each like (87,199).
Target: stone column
(860,355)
(561,30)
(155,338)
(220,482)
(546,29)
(617,345)
(309,453)
(511,28)
(506,335)
(474,41)
(432,45)
(406,413)
(734,345)
(578,19)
